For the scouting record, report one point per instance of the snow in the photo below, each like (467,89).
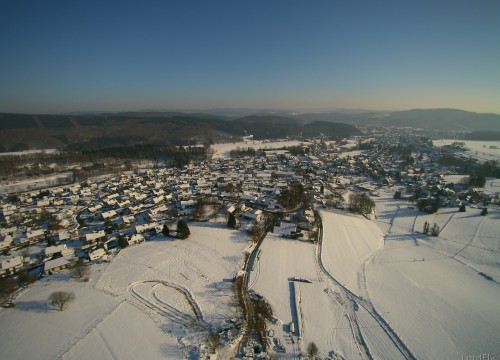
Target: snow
(492,186)
(281,259)
(429,288)
(154,300)
(379,277)
(480,150)
(29,152)
(313,307)
(348,241)
(33,330)
(118,337)
(222,150)
(438,306)
(39,183)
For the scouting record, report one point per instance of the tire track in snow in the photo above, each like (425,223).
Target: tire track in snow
(164,308)
(89,329)
(254,274)
(471,238)
(355,300)
(447,222)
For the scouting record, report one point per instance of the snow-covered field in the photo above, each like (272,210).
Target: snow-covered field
(481,150)
(32,184)
(30,152)
(429,288)
(313,307)
(349,241)
(427,291)
(152,301)
(370,285)
(222,150)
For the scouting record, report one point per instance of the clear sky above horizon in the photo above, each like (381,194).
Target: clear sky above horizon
(61,56)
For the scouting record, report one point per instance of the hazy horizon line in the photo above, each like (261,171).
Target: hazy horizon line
(291,111)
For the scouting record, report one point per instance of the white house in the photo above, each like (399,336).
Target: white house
(61,249)
(94,236)
(135,239)
(59,264)
(139,229)
(6,242)
(10,265)
(34,235)
(108,214)
(96,254)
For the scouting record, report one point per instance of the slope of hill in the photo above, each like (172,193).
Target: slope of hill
(431,119)
(443,119)
(98,130)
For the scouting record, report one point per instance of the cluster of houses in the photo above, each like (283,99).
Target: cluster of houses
(51,229)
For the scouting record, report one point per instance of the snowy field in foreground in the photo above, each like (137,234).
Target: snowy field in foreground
(313,307)
(147,303)
(156,299)
(429,288)
(348,241)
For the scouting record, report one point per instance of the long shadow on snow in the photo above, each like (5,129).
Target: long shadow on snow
(34,306)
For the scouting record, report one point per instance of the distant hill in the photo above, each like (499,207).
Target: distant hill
(279,127)
(265,127)
(87,131)
(431,119)
(49,131)
(444,119)
(21,131)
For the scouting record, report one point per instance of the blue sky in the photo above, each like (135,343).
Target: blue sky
(59,56)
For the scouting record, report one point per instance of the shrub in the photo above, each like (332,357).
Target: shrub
(165,231)
(312,350)
(80,271)
(183,231)
(231,221)
(435,230)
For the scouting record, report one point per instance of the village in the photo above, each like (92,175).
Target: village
(280,191)
(49,230)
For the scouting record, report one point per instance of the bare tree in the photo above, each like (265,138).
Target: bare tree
(80,271)
(60,299)
(255,233)
(361,203)
(312,350)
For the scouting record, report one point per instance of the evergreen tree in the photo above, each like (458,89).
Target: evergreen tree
(165,231)
(182,229)
(231,222)
(435,230)
(122,241)
(426,227)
